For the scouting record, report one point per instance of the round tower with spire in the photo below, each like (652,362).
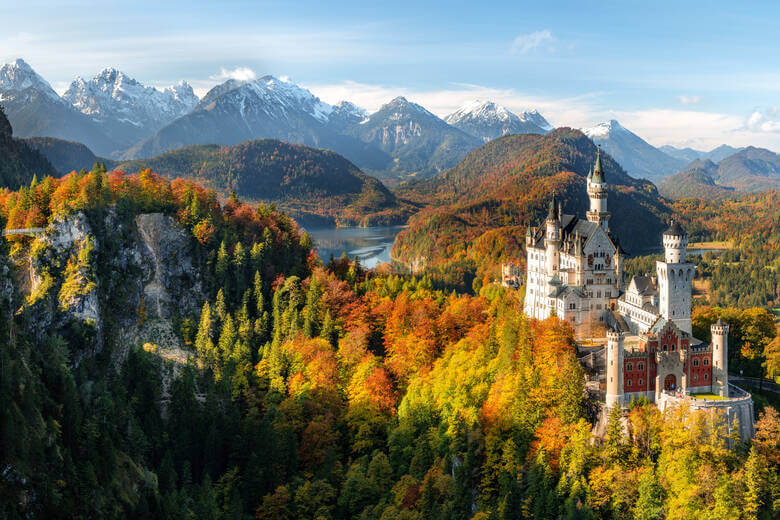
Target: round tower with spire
(597,193)
(720,358)
(614,368)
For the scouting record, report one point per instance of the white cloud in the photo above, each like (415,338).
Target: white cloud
(689,100)
(701,130)
(239,73)
(528,42)
(767,120)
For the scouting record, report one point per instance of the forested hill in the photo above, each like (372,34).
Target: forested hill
(479,209)
(165,356)
(313,185)
(66,156)
(750,169)
(18,162)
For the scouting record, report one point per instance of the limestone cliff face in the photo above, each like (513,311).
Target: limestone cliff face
(63,284)
(174,285)
(130,282)
(168,287)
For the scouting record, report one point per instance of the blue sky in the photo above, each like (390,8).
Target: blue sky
(673,72)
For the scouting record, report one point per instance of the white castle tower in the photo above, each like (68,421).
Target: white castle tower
(597,193)
(614,368)
(675,276)
(552,238)
(720,358)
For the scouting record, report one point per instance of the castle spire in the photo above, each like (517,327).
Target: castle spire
(551,209)
(598,174)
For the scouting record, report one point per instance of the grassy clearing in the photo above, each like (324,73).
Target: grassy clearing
(708,396)
(722,244)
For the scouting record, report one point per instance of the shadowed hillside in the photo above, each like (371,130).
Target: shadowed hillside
(314,185)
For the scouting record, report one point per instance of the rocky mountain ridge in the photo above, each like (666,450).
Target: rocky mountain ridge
(488,120)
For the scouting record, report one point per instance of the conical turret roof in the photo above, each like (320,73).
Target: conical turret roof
(551,210)
(675,230)
(598,175)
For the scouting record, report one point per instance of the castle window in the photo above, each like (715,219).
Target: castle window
(706,362)
(695,362)
(629,367)
(628,383)
(706,376)
(641,366)
(665,348)
(695,377)
(640,382)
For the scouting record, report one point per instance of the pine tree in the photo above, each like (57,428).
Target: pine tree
(220,306)
(755,479)
(244,325)
(227,338)
(312,310)
(240,265)
(222,265)
(329,329)
(614,443)
(257,291)
(256,256)
(204,344)
(649,504)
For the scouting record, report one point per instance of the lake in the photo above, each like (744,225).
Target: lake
(372,245)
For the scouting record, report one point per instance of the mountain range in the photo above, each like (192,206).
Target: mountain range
(749,169)
(127,110)
(689,154)
(116,116)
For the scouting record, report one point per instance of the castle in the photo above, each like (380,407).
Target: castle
(574,271)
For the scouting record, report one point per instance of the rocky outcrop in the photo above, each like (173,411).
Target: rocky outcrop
(168,288)
(175,286)
(132,287)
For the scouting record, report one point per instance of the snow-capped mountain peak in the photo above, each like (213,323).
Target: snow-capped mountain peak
(488,120)
(183,93)
(113,95)
(348,108)
(486,111)
(400,108)
(292,96)
(604,129)
(18,76)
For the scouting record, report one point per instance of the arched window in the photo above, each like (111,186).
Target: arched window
(706,376)
(628,383)
(665,348)
(706,362)
(695,377)
(640,382)
(630,367)
(671,275)
(641,366)
(695,362)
